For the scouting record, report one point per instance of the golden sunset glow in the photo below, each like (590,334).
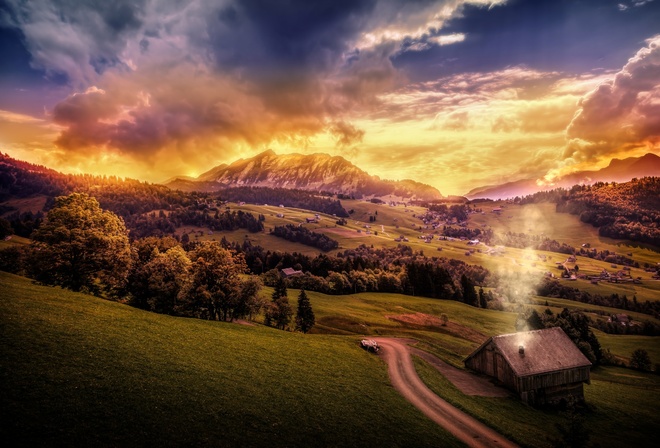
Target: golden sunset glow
(441,92)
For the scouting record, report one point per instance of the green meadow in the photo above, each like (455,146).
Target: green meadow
(81,371)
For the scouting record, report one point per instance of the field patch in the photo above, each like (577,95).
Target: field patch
(346,233)
(434,322)
(23,205)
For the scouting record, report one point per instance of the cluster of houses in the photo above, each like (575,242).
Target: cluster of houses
(621,319)
(621,276)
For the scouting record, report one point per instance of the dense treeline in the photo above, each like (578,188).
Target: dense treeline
(365,269)
(553,288)
(147,209)
(121,196)
(300,234)
(441,211)
(485,235)
(289,198)
(84,248)
(629,210)
(574,323)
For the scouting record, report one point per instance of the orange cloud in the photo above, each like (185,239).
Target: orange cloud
(623,111)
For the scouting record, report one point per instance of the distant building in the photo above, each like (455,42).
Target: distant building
(290,272)
(542,366)
(622,319)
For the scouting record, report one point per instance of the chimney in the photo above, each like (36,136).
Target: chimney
(521,350)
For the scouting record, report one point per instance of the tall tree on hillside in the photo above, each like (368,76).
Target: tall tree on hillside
(279,312)
(248,302)
(280,289)
(469,294)
(139,286)
(166,274)
(215,284)
(305,319)
(483,301)
(81,247)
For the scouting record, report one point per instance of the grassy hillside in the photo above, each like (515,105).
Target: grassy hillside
(79,371)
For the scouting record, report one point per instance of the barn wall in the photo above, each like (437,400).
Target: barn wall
(482,361)
(553,379)
(491,363)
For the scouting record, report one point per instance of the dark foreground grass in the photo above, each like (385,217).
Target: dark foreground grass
(79,371)
(622,409)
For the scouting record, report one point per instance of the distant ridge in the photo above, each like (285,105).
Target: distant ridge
(619,170)
(314,172)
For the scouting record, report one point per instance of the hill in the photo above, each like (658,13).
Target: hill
(80,371)
(315,172)
(617,171)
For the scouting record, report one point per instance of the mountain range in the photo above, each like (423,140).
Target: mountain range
(617,171)
(313,172)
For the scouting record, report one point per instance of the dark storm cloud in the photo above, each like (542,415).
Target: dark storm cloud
(72,38)
(549,35)
(290,35)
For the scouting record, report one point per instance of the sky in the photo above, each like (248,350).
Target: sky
(453,93)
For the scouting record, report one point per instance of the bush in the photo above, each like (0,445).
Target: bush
(640,360)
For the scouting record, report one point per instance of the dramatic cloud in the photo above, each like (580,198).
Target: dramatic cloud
(620,115)
(76,39)
(451,92)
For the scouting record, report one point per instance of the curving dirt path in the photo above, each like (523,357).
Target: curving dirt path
(405,379)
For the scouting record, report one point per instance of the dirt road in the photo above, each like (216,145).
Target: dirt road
(405,379)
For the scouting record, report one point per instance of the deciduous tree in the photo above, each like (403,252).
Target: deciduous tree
(81,247)
(215,283)
(640,360)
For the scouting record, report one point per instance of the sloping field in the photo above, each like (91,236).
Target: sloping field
(80,371)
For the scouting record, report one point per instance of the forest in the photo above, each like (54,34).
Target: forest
(289,198)
(629,210)
(305,236)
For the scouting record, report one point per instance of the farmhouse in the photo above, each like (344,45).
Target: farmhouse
(542,366)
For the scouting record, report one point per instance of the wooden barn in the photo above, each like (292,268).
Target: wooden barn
(542,366)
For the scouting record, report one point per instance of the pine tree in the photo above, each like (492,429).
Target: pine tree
(279,311)
(280,289)
(469,294)
(483,301)
(305,319)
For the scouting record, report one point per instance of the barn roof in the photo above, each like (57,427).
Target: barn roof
(288,272)
(545,351)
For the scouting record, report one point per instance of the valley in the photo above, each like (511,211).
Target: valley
(119,369)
